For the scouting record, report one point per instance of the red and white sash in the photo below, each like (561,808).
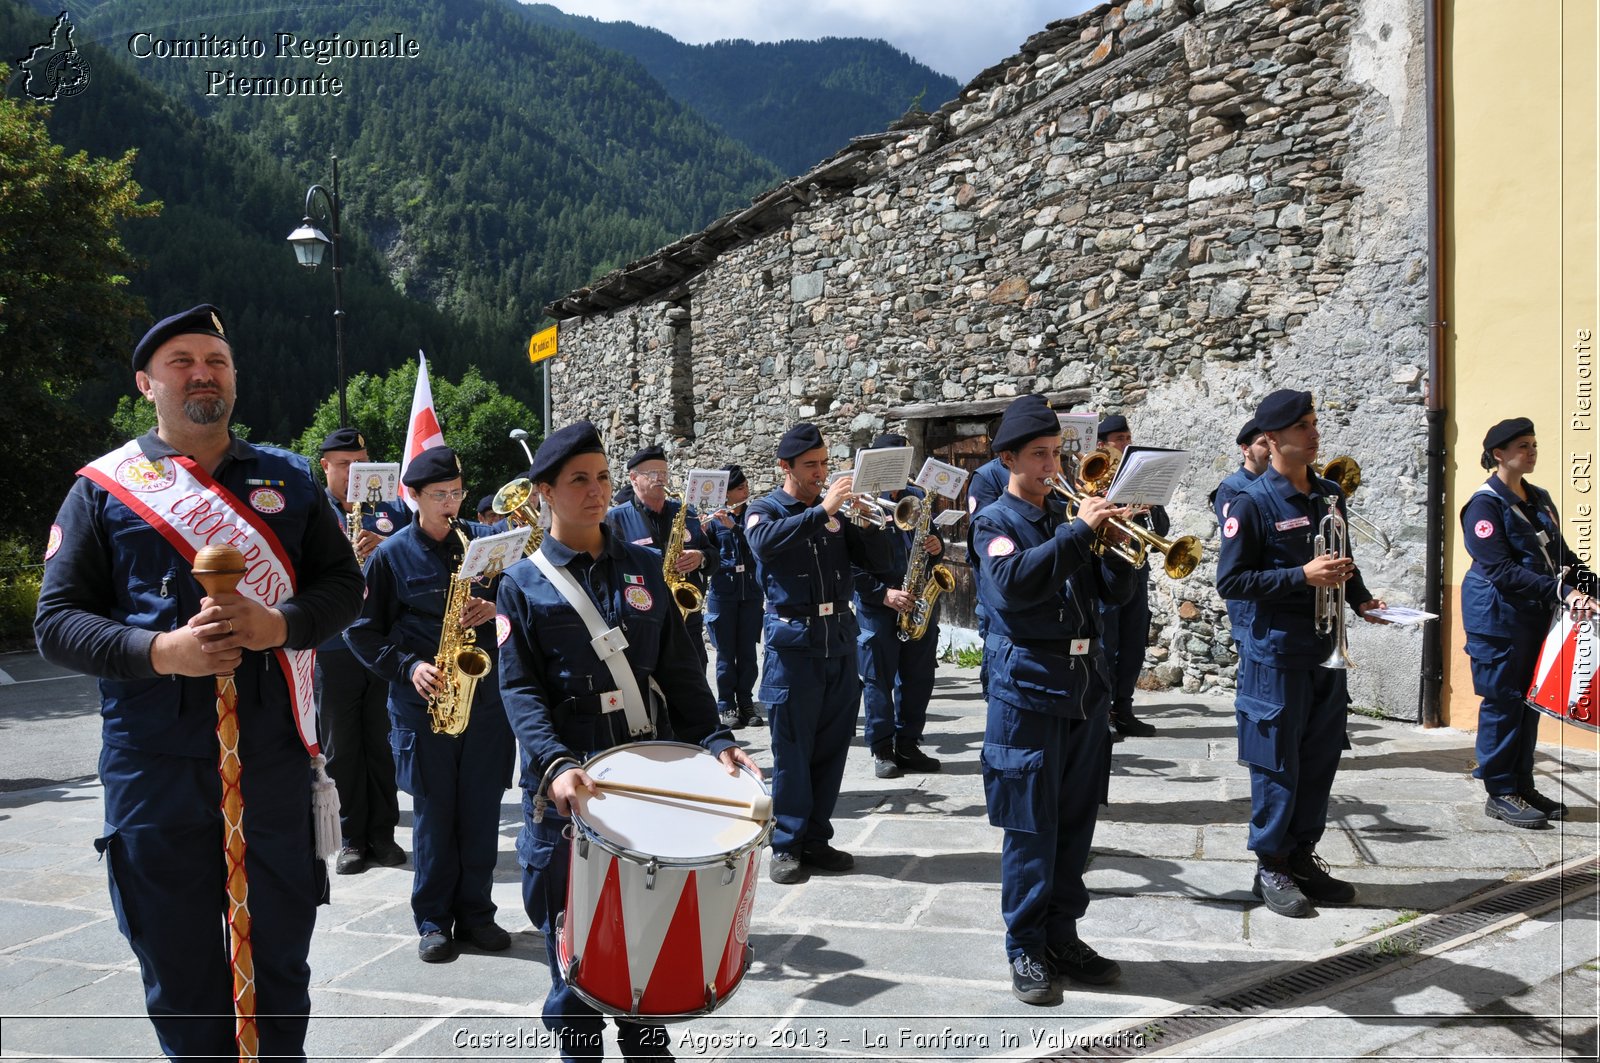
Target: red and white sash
(181,501)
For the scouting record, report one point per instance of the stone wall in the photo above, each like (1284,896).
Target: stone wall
(1177,207)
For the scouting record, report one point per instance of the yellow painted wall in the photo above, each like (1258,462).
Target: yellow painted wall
(1520,275)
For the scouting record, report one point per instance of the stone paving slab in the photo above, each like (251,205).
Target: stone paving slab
(910,945)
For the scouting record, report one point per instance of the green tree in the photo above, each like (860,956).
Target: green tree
(475,416)
(64,313)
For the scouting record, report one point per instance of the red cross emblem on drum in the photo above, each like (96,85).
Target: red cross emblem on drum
(661,888)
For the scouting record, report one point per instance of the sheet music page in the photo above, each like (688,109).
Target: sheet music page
(707,490)
(493,554)
(949,517)
(942,478)
(1148,476)
(373,481)
(886,469)
(1402,614)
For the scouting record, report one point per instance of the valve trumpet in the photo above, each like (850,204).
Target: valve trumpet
(1134,541)
(1332,537)
(868,511)
(516,504)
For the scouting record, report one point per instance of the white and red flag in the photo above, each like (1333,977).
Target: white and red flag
(422,428)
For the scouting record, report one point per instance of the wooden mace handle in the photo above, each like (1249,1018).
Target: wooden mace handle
(758,808)
(218,569)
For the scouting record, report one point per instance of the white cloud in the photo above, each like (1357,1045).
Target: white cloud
(954,37)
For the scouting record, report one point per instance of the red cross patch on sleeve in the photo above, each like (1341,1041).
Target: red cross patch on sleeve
(1231,528)
(1483,529)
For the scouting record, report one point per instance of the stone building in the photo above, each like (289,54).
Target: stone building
(1165,208)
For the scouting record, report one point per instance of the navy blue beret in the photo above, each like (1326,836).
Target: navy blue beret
(1112,422)
(430,467)
(651,453)
(1506,431)
(1248,433)
(558,446)
(797,440)
(204,319)
(1025,419)
(486,502)
(344,439)
(736,476)
(1283,408)
(888,439)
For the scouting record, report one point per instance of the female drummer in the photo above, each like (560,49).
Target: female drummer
(1521,571)
(559,695)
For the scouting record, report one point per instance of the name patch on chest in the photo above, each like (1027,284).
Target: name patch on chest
(1292,523)
(646,541)
(639,598)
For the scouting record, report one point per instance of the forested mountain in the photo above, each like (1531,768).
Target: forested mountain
(793,102)
(502,165)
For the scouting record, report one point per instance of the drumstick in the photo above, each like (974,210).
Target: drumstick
(756,808)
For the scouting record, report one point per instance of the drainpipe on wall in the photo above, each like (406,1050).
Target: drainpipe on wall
(1433,574)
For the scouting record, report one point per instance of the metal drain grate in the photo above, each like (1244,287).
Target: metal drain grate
(1305,984)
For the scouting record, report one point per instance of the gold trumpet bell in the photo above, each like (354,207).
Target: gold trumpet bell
(1343,471)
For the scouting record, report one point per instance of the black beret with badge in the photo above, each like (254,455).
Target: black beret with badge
(798,440)
(1283,408)
(432,466)
(736,476)
(1247,434)
(1028,418)
(1112,422)
(343,439)
(651,453)
(203,320)
(581,437)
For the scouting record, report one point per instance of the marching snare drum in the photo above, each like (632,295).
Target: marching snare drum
(1564,681)
(657,923)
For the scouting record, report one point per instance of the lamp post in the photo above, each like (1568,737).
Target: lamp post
(309,245)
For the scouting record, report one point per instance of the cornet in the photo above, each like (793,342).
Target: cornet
(1179,556)
(517,504)
(868,511)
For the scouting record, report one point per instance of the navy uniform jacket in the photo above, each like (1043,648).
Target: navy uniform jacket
(385,519)
(803,557)
(634,523)
(114,582)
(1042,588)
(551,676)
(735,579)
(1266,539)
(983,487)
(1239,612)
(408,580)
(1511,587)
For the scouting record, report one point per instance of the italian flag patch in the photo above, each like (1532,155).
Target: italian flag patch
(631,578)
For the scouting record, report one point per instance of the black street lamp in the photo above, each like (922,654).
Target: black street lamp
(309,244)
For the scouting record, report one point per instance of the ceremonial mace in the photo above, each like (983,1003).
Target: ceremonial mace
(218,569)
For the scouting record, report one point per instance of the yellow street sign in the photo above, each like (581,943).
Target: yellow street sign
(542,345)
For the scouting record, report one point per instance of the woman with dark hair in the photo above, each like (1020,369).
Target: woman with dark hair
(1522,571)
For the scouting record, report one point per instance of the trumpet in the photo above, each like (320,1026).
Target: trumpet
(1345,472)
(1134,542)
(868,511)
(1332,537)
(515,503)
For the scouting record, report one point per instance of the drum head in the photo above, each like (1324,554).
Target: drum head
(670,829)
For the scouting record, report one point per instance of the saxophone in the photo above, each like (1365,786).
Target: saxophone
(353,529)
(685,595)
(461,664)
(923,583)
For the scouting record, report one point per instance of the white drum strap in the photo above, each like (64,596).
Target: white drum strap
(608,646)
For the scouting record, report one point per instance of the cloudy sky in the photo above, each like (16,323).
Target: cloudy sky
(954,37)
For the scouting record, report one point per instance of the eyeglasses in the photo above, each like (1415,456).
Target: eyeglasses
(444,496)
